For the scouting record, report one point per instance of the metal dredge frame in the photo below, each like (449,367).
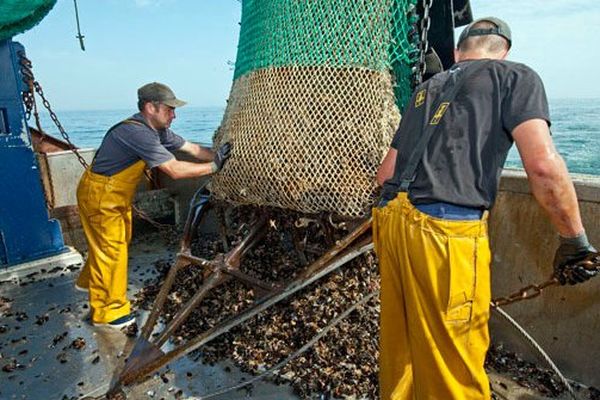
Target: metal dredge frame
(147,356)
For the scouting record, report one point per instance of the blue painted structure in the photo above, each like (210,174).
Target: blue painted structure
(26,232)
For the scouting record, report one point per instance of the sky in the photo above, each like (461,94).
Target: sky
(188,44)
(191,46)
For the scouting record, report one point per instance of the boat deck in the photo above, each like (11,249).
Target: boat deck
(45,328)
(49,349)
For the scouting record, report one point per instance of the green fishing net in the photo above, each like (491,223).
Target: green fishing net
(17,16)
(314,103)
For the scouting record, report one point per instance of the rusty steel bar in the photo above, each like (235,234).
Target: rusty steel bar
(340,246)
(161,298)
(235,254)
(249,280)
(256,234)
(214,280)
(197,204)
(323,266)
(194,216)
(196,260)
(223,264)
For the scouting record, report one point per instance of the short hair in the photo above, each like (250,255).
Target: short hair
(142,103)
(488,43)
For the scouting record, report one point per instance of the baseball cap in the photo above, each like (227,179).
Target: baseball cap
(160,93)
(501,29)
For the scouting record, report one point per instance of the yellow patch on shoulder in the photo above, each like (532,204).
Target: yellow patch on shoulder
(439,113)
(420,99)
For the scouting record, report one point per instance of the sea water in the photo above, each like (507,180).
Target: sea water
(576,133)
(87,128)
(575,129)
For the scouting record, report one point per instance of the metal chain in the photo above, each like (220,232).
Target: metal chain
(30,104)
(28,101)
(591,262)
(424,42)
(62,131)
(35,86)
(142,215)
(31,107)
(29,96)
(528,292)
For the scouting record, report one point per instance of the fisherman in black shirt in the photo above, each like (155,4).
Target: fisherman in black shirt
(430,231)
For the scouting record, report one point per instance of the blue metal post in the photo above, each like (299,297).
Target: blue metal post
(26,232)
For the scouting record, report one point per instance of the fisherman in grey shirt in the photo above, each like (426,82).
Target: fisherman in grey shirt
(107,188)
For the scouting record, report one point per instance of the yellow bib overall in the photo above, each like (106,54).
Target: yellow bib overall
(105,210)
(435,301)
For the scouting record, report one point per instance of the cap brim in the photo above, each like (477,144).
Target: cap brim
(174,103)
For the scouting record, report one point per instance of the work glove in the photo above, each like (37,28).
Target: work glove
(569,253)
(221,155)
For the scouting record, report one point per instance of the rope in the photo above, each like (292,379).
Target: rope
(538,348)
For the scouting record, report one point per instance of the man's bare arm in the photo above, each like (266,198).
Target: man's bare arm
(198,152)
(386,169)
(548,176)
(183,169)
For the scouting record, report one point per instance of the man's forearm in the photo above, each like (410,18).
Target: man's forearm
(553,189)
(548,176)
(198,152)
(183,169)
(204,154)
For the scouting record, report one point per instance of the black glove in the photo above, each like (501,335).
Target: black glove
(569,253)
(221,155)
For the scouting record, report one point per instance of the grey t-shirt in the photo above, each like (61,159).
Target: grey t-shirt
(464,158)
(127,143)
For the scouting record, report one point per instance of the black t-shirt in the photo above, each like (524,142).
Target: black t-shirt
(464,158)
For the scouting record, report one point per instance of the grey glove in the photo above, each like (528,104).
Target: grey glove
(569,253)
(221,155)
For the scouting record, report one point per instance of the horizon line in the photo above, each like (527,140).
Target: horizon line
(134,107)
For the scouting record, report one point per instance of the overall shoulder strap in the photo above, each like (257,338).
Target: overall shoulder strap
(125,121)
(130,121)
(449,91)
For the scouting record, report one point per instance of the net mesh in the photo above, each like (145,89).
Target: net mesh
(314,102)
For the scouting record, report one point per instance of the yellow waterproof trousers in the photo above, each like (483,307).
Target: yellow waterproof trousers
(105,211)
(435,299)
